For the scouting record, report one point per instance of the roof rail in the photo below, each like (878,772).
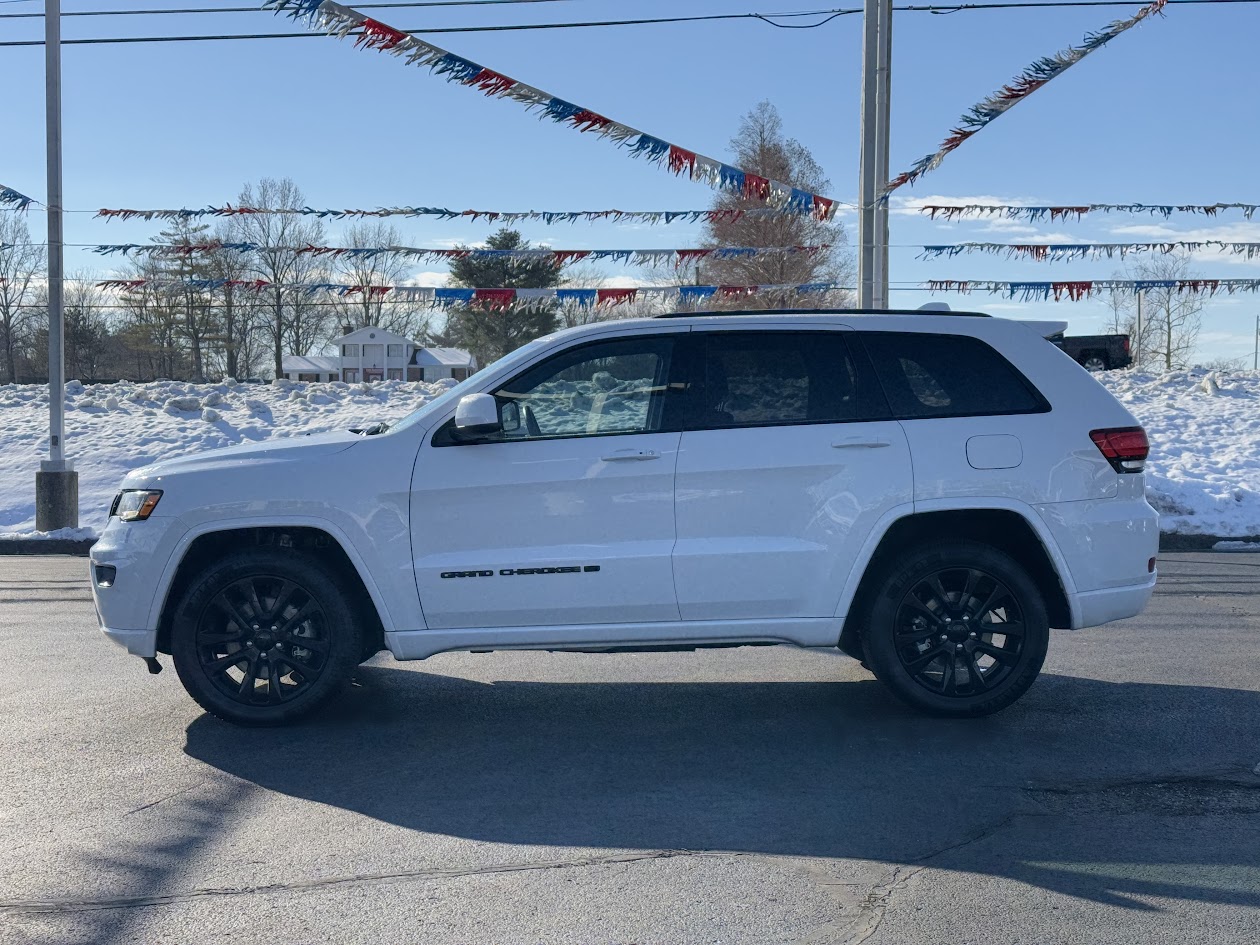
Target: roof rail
(827,311)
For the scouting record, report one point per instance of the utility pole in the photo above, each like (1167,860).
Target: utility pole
(56,483)
(883,94)
(1255,357)
(870,183)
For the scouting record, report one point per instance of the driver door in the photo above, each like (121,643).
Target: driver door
(566,516)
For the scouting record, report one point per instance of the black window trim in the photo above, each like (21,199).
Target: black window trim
(1042,404)
(862,364)
(442,437)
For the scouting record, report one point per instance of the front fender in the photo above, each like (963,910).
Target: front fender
(391,611)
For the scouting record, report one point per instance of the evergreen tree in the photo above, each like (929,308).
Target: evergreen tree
(490,333)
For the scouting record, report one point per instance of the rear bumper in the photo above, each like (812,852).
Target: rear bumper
(135,642)
(1112,603)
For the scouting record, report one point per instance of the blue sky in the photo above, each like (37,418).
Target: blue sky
(1164,114)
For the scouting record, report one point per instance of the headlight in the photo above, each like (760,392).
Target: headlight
(135,505)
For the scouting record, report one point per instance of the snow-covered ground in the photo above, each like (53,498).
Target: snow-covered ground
(1204,473)
(113,428)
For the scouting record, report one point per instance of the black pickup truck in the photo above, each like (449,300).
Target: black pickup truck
(1096,352)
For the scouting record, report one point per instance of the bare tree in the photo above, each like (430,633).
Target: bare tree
(295,320)
(22,267)
(239,309)
(385,269)
(152,322)
(762,148)
(1170,319)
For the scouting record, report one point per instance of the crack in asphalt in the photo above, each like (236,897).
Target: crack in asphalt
(71,905)
(873,908)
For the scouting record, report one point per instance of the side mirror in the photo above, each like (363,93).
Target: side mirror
(476,415)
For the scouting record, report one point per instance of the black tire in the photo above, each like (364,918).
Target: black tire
(287,615)
(933,632)
(1095,363)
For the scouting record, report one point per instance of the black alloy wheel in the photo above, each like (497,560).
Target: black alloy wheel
(959,632)
(955,628)
(266,635)
(263,640)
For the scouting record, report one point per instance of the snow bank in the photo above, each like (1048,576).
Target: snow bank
(113,428)
(1203,475)
(1204,471)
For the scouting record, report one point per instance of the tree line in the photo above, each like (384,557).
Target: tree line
(173,330)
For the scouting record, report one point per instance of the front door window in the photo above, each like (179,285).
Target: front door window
(604,388)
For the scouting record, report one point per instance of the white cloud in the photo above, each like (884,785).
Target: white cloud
(913,206)
(433,280)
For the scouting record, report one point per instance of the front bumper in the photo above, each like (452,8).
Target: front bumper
(139,552)
(135,642)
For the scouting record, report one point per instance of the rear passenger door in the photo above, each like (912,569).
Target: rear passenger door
(788,459)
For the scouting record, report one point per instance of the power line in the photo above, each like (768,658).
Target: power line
(768,18)
(361,6)
(430,4)
(763,17)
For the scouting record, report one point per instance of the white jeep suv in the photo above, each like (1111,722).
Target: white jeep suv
(928,492)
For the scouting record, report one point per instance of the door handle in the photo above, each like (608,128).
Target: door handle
(860,443)
(623,456)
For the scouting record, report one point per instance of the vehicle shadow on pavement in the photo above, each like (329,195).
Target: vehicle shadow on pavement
(802,769)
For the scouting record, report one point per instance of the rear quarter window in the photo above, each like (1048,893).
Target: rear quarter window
(929,375)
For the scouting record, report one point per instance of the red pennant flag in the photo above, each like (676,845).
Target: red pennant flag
(680,159)
(756,187)
(377,35)
(495,298)
(614,296)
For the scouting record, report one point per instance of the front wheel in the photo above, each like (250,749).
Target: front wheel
(957,629)
(264,637)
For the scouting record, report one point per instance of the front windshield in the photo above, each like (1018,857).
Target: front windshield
(459,390)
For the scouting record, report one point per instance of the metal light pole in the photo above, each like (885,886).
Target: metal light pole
(56,483)
(873,214)
(1255,356)
(883,96)
(868,183)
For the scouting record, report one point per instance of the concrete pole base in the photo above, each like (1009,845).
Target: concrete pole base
(56,499)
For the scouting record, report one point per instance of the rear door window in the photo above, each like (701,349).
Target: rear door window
(776,378)
(930,375)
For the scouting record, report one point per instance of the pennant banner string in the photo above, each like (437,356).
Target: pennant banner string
(491,298)
(1054,214)
(650,217)
(14,200)
(1015,91)
(495,298)
(1056,252)
(341,21)
(560,257)
(1075,291)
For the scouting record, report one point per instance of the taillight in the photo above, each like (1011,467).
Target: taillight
(1126,448)
(1125,343)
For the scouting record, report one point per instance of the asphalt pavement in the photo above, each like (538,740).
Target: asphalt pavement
(760,795)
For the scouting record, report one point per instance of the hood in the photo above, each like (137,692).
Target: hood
(279,450)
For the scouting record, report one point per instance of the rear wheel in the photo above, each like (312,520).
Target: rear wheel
(1094,363)
(265,637)
(957,629)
